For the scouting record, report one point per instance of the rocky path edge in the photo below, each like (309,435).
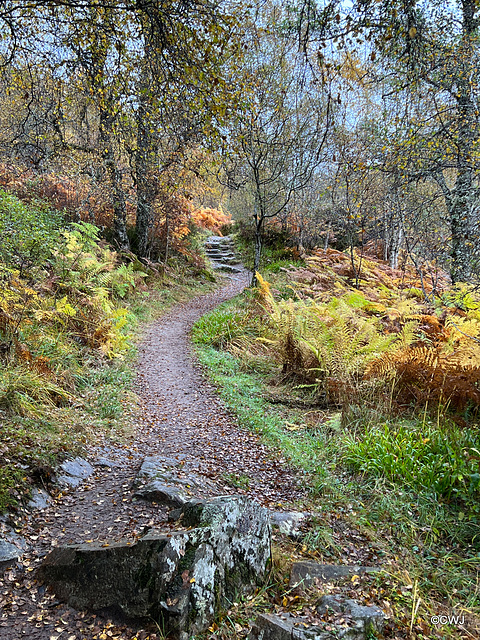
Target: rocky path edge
(183,426)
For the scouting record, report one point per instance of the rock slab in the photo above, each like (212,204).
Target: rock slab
(74,472)
(339,617)
(307,574)
(9,554)
(368,620)
(270,626)
(40,499)
(290,523)
(181,579)
(165,480)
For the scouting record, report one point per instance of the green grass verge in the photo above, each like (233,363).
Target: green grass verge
(377,473)
(243,394)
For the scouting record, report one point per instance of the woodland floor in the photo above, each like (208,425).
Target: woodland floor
(179,416)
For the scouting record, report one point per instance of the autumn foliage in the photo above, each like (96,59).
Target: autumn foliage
(174,215)
(211,219)
(78,199)
(59,297)
(409,335)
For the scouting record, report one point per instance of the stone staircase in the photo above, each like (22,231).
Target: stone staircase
(220,252)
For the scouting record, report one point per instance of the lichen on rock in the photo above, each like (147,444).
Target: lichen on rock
(181,579)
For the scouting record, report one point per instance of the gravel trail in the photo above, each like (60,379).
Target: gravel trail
(180,416)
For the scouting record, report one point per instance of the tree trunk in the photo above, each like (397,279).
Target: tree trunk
(460,215)
(397,239)
(145,153)
(119,206)
(167,240)
(460,205)
(327,238)
(116,187)
(258,249)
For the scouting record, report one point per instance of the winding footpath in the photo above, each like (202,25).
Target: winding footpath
(181,417)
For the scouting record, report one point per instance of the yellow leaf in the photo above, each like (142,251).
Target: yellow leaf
(292,427)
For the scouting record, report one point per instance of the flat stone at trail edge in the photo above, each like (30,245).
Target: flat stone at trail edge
(156,491)
(9,554)
(289,522)
(106,463)
(165,480)
(152,466)
(40,499)
(269,626)
(9,535)
(287,627)
(74,472)
(358,622)
(369,619)
(181,579)
(306,574)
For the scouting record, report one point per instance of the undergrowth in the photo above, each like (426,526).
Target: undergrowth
(399,462)
(70,315)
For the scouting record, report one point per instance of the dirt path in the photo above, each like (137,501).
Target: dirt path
(187,416)
(181,417)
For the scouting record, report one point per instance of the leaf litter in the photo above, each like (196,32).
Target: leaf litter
(179,416)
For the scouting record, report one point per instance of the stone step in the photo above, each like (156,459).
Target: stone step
(232,260)
(219,245)
(221,266)
(220,254)
(218,249)
(228,259)
(290,523)
(360,622)
(306,574)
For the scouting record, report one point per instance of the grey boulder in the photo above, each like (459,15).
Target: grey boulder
(368,620)
(338,618)
(74,472)
(165,480)
(9,554)
(158,491)
(269,626)
(181,579)
(290,523)
(40,499)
